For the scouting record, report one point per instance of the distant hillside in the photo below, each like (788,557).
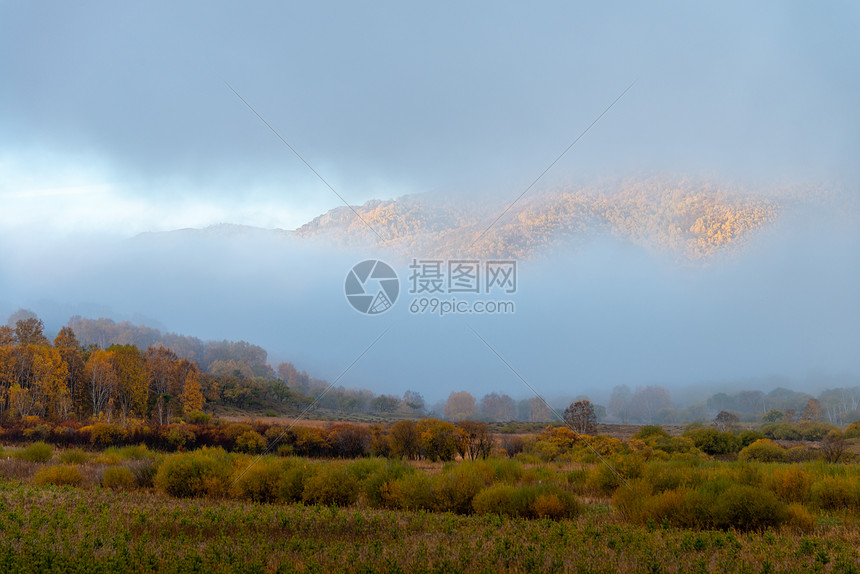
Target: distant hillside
(690,219)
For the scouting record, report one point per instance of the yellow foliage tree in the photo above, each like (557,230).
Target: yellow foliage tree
(192,396)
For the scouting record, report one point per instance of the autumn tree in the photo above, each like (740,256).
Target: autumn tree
(725,420)
(475,440)
(580,417)
(539,411)
(438,439)
(404,440)
(459,406)
(161,364)
(414,401)
(498,407)
(70,350)
(647,403)
(833,446)
(812,412)
(385,403)
(132,380)
(619,403)
(102,381)
(192,396)
(51,390)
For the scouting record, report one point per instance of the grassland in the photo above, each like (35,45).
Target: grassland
(64,529)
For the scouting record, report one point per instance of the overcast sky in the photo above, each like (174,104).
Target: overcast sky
(115,117)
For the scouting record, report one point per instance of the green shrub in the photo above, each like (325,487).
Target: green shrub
(377,485)
(781,431)
(106,434)
(180,436)
(834,493)
(205,472)
(36,452)
(74,456)
(814,431)
(748,437)
(651,432)
(459,485)
(250,442)
(118,477)
(144,471)
(763,450)
(748,508)
(270,413)
(332,484)
(416,491)
(545,501)
(718,503)
(852,431)
(198,418)
(135,452)
(59,475)
(504,499)
(790,484)
(507,470)
(711,441)
(260,482)
(292,484)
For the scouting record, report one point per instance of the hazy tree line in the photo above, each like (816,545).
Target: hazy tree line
(654,405)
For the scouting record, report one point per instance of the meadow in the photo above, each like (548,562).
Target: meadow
(652,503)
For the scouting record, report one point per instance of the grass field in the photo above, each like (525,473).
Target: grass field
(64,529)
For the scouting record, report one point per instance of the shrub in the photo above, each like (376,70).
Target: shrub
(790,484)
(852,431)
(814,431)
(781,431)
(39,432)
(800,518)
(59,475)
(459,485)
(270,413)
(834,493)
(717,503)
(198,418)
(651,432)
(416,491)
(260,482)
(144,472)
(377,485)
(135,452)
(292,484)
(250,442)
(179,436)
(763,450)
(504,499)
(106,434)
(234,430)
(36,452)
(748,508)
(331,484)
(748,437)
(545,501)
(711,441)
(203,472)
(118,477)
(510,471)
(74,456)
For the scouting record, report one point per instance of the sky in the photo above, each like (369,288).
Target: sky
(121,118)
(117,117)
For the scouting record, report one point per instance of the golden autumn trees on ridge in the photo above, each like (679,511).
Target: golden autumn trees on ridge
(66,380)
